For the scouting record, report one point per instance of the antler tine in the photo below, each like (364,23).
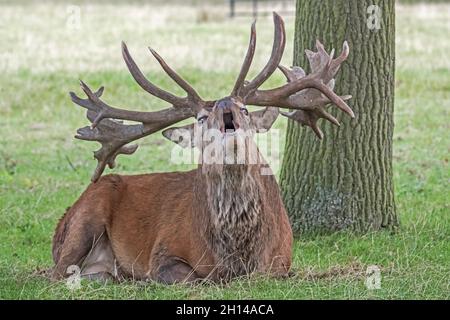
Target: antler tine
(279,43)
(180,81)
(147,85)
(247,62)
(344,54)
(292,75)
(336,63)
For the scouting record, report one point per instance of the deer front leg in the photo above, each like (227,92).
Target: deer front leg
(172,270)
(78,232)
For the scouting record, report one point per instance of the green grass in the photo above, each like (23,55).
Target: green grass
(43,169)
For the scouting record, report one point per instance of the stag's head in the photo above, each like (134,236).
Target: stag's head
(225,122)
(224,132)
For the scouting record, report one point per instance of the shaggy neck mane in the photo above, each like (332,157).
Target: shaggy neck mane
(232,195)
(232,204)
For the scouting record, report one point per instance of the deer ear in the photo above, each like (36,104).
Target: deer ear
(183,136)
(263,120)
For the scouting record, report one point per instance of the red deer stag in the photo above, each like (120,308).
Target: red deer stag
(216,222)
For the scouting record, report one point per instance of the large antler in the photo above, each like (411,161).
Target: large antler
(243,88)
(307,94)
(311,101)
(113,135)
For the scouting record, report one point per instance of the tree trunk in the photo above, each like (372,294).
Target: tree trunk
(345,180)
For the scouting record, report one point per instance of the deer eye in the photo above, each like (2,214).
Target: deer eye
(244,111)
(202,119)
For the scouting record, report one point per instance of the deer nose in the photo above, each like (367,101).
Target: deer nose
(224,104)
(224,107)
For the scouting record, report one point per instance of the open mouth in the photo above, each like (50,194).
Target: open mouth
(229,125)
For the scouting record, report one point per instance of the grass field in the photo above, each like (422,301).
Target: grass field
(43,169)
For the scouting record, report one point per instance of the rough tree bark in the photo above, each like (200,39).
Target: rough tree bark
(345,180)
